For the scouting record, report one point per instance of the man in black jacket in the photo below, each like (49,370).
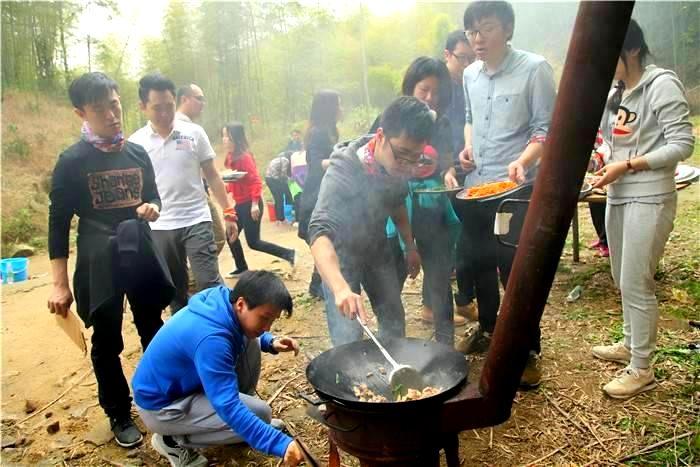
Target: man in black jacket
(366,183)
(105,180)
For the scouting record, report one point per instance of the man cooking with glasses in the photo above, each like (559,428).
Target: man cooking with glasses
(365,184)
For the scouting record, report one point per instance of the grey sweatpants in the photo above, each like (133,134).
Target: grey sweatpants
(637,233)
(195,243)
(193,422)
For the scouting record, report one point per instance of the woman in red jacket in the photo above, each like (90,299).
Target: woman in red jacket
(247,193)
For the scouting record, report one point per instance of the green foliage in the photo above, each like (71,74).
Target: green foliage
(110,59)
(14,146)
(358,121)
(20,228)
(578,313)
(683,452)
(261,62)
(433,44)
(615,332)
(35,37)
(384,84)
(585,277)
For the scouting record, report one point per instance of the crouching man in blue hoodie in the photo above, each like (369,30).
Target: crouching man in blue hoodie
(185,388)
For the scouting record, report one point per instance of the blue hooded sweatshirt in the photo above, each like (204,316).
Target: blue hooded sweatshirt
(196,351)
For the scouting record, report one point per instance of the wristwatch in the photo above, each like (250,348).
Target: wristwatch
(629,166)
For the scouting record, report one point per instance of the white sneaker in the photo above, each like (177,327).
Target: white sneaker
(178,456)
(630,382)
(613,353)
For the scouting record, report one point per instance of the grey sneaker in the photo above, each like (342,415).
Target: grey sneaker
(279,424)
(613,353)
(177,455)
(126,434)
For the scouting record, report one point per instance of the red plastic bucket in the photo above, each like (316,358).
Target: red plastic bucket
(271,212)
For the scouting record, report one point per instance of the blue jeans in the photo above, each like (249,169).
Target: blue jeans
(375,273)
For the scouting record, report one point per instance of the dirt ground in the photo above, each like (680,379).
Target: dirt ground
(567,421)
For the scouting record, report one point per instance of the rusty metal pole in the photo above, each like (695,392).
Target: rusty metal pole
(595,46)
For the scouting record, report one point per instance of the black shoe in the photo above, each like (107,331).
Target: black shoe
(477,342)
(317,292)
(236,273)
(126,434)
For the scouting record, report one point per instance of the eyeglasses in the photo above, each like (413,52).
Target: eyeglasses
(485,32)
(461,58)
(416,160)
(200,98)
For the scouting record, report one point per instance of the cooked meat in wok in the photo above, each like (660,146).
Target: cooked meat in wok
(365,394)
(414,394)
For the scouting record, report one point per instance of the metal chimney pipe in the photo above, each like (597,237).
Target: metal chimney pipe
(595,46)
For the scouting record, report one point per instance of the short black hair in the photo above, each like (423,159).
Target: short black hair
(183,91)
(155,82)
(425,67)
(476,11)
(407,115)
(260,288)
(296,130)
(454,38)
(91,88)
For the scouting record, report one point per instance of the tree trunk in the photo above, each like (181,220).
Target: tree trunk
(61,26)
(365,83)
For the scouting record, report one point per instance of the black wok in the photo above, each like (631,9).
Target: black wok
(335,372)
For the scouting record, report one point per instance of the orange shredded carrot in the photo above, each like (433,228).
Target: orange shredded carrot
(488,189)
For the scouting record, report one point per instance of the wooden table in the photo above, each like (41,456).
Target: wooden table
(598,198)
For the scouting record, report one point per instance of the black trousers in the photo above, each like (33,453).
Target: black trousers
(252,235)
(465,274)
(280,194)
(489,260)
(107,345)
(598,219)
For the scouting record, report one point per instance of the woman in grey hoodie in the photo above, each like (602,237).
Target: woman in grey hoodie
(650,133)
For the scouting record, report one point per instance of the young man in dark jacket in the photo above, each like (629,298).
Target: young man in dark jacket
(366,183)
(186,388)
(105,181)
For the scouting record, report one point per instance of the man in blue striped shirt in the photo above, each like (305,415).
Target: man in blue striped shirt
(509,98)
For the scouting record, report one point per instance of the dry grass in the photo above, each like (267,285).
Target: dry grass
(35,129)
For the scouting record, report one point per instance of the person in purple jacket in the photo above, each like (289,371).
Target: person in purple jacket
(185,387)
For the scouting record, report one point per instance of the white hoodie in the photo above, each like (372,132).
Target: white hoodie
(652,121)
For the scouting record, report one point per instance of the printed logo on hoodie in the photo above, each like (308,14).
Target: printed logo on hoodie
(624,118)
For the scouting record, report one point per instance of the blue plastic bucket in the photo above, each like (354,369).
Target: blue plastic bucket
(19,267)
(289,213)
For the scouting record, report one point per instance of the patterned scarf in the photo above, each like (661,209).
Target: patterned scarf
(105,145)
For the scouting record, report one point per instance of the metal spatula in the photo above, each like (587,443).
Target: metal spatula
(402,377)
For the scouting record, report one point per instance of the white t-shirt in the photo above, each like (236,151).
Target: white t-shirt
(177,163)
